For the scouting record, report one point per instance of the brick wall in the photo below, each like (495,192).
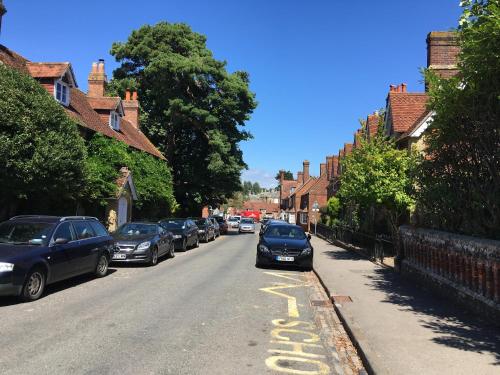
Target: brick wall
(442,52)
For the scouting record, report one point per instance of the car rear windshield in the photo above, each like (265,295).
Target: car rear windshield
(285,231)
(25,233)
(173,224)
(201,222)
(137,229)
(246,221)
(233,219)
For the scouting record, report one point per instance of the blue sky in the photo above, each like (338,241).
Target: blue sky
(316,66)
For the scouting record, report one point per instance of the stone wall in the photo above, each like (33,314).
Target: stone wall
(464,268)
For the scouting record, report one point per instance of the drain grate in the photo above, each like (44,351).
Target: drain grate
(321,303)
(341,299)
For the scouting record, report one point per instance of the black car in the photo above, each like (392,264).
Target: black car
(185,232)
(206,229)
(284,244)
(223,227)
(142,243)
(39,250)
(216,225)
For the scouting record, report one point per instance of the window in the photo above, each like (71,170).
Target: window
(114,120)
(99,228)
(303,218)
(83,230)
(64,231)
(61,92)
(292,190)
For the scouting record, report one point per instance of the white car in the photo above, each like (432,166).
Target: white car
(233,221)
(247,225)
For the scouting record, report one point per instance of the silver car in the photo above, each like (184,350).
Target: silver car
(247,225)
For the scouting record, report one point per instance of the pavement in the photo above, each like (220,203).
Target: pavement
(400,327)
(207,311)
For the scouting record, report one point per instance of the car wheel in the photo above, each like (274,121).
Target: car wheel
(197,242)
(101,268)
(184,245)
(258,264)
(171,253)
(34,285)
(154,257)
(206,238)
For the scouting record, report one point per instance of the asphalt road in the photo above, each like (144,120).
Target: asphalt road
(207,311)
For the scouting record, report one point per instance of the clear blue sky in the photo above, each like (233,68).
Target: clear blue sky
(316,66)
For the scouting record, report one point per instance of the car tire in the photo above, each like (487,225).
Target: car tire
(258,264)
(34,285)
(171,253)
(154,257)
(197,244)
(206,239)
(101,268)
(184,245)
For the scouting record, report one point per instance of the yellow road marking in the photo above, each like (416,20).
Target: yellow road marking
(273,363)
(284,276)
(293,311)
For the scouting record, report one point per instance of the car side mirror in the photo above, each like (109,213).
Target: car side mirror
(61,241)
(308,236)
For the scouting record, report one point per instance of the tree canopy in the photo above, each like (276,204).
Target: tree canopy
(459,184)
(378,175)
(42,154)
(288,176)
(193,109)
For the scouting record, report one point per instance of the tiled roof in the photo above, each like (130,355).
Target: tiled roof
(47,70)
(107,102)
(261,205)
(305,187)
(12,59)
(405,109)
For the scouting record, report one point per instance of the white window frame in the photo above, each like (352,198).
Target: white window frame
(303,217)
(114,120)
(64,87)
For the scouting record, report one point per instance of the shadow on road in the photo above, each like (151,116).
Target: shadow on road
(56,287)
(455,326)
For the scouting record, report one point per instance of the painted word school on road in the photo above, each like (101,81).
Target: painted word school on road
(294,345)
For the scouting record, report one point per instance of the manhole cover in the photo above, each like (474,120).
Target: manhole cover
(341,299)
(321,303)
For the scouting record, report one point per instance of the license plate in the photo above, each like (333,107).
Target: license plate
(119,256)
(285,259)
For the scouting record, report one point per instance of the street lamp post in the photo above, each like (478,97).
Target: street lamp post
(315,208)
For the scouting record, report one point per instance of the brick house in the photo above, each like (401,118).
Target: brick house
(112,117)
(315,194)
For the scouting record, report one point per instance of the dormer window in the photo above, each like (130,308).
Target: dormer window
(61,93)
(114,120)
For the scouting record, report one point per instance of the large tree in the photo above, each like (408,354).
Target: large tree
(41,152)
(460,181)
(194,109)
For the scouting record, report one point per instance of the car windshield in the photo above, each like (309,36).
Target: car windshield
(137,229)
(201,222)
(246,221)
(25,233)
(232,219)
(173,224)
(285,231)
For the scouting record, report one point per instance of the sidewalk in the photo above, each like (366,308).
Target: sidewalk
(401,327)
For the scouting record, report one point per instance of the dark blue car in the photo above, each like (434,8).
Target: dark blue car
(38,250)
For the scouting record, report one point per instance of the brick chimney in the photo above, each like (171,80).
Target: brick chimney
(131,108)
(442,53)
(3,10)
(305,169)
(300,178)
(282,176)
(322,169)
(329,167)
(97,80)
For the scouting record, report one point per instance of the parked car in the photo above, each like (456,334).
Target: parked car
(285,244)
(142,243)
(206,230)
(185,232)
(247,225)
(233,221)
(216,226)
(223,227)
(39,250)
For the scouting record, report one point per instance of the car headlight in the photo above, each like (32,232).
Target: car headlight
(307,251)
(201,230)
(144,245)
(6,267)
(263,249)
(177,236)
